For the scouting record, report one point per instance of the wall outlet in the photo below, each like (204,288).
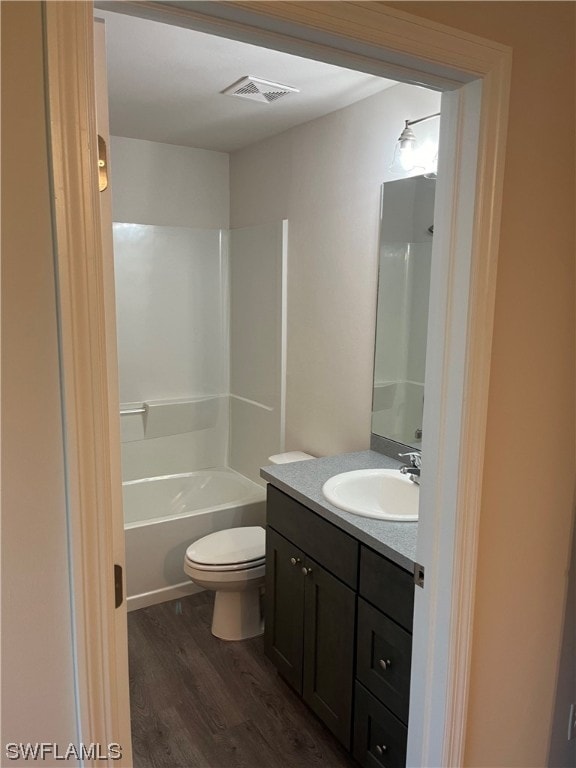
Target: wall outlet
(572,722)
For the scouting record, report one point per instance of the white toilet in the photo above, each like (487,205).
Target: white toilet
(231,562)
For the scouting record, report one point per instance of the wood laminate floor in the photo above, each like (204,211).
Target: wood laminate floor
(200,702)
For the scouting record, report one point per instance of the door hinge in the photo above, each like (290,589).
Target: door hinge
(102,165)
(419,575)
(118,586)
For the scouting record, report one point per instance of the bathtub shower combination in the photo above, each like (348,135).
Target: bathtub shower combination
(163,515)
(200,318)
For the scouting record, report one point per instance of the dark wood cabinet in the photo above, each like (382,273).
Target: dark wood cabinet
(339,629)
(329,619)
(379,737)
(328,545)
(311,614)
(383,660)
(387,586)
(284,607)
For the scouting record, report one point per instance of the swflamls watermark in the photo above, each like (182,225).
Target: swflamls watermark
(43,750)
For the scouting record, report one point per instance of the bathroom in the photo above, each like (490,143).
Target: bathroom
(270,248)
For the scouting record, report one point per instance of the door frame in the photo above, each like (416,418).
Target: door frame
(474,75)
(89,375)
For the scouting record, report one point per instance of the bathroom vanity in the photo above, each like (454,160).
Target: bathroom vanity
(339,604)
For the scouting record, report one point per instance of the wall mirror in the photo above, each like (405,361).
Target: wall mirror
(406,232)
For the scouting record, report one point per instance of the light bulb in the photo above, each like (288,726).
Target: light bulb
(406,156)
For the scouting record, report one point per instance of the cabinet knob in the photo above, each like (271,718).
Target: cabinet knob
(306,571)
(385,664)
(294,560)
(381,749)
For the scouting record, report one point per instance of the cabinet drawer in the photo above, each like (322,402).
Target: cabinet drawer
(328,545)
(379,737)
(387,586)
(384,652)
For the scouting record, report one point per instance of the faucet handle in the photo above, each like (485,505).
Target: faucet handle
(415,458)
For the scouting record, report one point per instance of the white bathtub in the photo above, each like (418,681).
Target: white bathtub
(163,515)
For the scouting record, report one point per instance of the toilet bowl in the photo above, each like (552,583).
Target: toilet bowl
(232,563)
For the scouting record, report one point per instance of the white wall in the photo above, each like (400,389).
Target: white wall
(37,653)
(167,185)
(325,178)
(171,210)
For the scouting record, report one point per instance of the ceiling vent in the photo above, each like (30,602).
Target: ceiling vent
(255,89)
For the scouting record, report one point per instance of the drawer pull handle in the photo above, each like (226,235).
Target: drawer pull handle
(385,664)
(294,560)
(381,749)
(306,571)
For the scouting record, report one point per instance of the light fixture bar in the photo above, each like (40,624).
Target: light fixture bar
(422,119)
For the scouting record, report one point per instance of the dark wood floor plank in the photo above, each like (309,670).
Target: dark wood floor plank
(201,702)
(248,749)
(189,677)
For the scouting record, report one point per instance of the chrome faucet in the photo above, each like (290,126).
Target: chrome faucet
(413,469)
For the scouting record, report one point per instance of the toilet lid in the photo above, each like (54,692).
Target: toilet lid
(228,547)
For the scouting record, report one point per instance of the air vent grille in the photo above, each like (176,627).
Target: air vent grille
(256,89)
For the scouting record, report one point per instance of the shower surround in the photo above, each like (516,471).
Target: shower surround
(200,321)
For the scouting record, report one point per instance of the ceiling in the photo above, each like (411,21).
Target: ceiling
(165,85)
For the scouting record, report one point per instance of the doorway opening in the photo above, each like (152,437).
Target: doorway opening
(471,185)
(215,202)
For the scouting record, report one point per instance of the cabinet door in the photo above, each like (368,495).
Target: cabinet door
(284,607)
(329,617)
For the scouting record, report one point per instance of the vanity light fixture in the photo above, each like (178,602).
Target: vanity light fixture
(404,154)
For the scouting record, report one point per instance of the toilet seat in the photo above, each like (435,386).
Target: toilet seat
(216,579)
(232,549)
(242,566)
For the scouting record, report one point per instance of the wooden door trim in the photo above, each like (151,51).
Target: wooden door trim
(89,403)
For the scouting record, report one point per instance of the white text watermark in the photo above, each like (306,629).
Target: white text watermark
(42,750)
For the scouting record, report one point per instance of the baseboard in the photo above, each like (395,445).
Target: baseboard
(173,592)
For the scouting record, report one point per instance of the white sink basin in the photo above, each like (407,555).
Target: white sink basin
(383,493)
